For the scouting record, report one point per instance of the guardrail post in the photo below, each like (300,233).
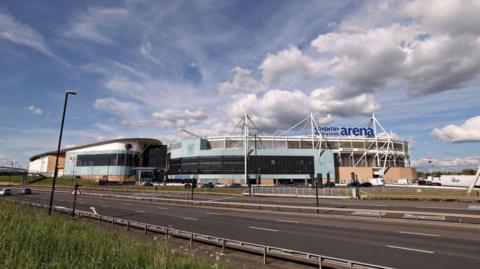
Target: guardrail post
(113,222)
(223,245)
(265,255)
(166,233)
(320,260)
(146,228)
(191,240)
(460,220)
(128,225)
(99,218)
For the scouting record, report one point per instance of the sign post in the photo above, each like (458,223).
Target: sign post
(74,192)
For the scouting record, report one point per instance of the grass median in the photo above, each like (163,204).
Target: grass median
(31,239)
(69,182)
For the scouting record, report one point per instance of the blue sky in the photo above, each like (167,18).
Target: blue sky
(145,68)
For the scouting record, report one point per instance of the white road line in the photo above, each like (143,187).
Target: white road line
(287,221)
(263,229)
(164,208)
(220,199)
(422,234)
(213,213)
(430,207)
(189,218)
(140,211)
(105,206)
(474,207)
(411,249)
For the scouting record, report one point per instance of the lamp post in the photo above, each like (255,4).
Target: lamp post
(67,93)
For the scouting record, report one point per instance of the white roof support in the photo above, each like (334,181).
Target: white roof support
(477,176)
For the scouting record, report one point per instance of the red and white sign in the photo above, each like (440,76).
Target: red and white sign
(76,190)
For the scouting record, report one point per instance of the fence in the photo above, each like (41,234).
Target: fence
(303,192)
(224,243)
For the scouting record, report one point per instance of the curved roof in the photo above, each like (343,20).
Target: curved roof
(63,150)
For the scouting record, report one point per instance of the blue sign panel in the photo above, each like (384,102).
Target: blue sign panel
(347,131)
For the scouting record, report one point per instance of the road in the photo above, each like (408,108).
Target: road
(419,206)
(399,244)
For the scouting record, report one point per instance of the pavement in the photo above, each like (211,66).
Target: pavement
(398,244)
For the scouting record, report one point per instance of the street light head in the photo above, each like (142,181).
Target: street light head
(71,92)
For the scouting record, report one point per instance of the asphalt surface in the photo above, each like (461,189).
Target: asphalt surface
(399,244)
(419,206)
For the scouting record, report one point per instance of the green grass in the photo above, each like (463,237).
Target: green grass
(29,238)
(415,193)
(90,184)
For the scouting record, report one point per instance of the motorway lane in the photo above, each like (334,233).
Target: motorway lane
(421,206)
(402,244)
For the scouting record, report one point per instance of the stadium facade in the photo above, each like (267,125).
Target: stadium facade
(303,152)
(112,160)
(337,154)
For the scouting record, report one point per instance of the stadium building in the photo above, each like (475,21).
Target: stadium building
(107,161)
(337,154)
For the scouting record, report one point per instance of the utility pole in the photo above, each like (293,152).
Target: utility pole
(58,150)
(75,190)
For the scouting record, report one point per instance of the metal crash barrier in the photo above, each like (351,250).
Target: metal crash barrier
(316,260)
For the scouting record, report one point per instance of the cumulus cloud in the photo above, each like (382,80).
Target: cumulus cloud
(34,110)
(468,161)
(469,131)
(287,63)
(95,25)
(278,109)
(325,120)
(241,81)
(423,47)
(116,107)
(179,117)
(22,34)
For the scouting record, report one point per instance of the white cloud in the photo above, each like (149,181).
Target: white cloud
(469,131)
(34,110)
(468,161)
(422,47)
(278,109)
(241,81)
(97,23)
(116,107)
(287,63)
(22,34)
(179,117)
(326,120)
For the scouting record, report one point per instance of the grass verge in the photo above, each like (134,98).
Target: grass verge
(31,239)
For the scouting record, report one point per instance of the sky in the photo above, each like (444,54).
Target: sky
(147,68)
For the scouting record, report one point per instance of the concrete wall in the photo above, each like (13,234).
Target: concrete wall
(363,173)
(392,174)
(38,165)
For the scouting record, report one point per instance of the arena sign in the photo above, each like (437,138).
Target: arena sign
(347,131)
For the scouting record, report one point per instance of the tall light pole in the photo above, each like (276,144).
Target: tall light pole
(67,93)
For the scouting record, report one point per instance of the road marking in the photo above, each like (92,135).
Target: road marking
(422,217)
(411,249)
(287,221)
(413,233)
(263,229)
(162,208)
(213,213)
(140,211)
(94,211)
(220,199)
(368,213)
(189,218)
(105,206)
(430,207)
(474,207)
